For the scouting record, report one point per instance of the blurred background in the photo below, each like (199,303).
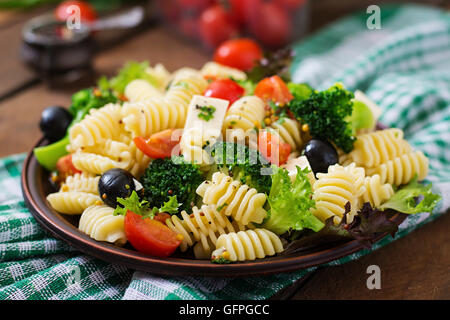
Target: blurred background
(43,64)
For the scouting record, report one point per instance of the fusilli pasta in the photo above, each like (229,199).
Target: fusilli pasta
(401,170)
(72,202)
(238,200)
(376,192)
(249,244)
(99,223)
(334,189)
(374,148)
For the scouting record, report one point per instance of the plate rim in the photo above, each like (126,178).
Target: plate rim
(172,266)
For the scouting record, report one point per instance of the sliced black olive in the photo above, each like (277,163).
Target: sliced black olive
(54,122)
(320,154)
(115,183)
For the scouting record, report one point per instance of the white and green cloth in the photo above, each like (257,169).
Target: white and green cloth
(404,67)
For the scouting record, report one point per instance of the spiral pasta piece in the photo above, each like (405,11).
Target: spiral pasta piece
(203,226)
(402,169)
(245,113)
(139,89)
(97,164)
(72,202)
(146,117)
(99,223)
(289,130)
(249,245)
(374,148)
(100,124)
(216,70)
(82,182)
(235,199)
(376,192)
(183,87)
(334,189)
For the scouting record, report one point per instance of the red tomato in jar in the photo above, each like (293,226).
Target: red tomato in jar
(225,89)
(159,145)
(272,148)
(65,166)
(270,24)
(87,11)
(273,89)
(238,53)
(216,25)
(150,236)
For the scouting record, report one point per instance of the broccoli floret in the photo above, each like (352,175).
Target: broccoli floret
(327,113)
(171,177)
(243,164)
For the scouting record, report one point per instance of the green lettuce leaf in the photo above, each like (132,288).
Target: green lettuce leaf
(142,207)
(405,200)
(290,203)
(131,71)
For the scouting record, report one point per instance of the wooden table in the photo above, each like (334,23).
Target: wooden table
(415,267)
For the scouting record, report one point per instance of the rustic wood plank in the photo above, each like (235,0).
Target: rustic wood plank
(414,267)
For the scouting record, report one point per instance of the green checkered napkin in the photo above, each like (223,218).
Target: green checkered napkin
(404,67)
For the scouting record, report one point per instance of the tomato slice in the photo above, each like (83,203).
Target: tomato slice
(65,166)
(159,145)
(271,147)
(225,89)
(238,53)
(87,12)
(273,89)
(150,236)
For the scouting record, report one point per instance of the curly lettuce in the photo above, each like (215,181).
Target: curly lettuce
(290,203)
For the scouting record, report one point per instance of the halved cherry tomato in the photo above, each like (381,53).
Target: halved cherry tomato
(150,236)
(238,53)
(87,11)
(273,89)
(159,145)
(65,166)
(272,148)
(216,25)
(225,89)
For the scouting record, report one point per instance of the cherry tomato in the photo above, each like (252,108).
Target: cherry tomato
(87,11)
(65,166)
(225,89)
(272,148)
(159,145)
(273,89)
(216,25)
(150,236)
(238,53)
(270,24)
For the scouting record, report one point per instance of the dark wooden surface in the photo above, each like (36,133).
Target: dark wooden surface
(414,267)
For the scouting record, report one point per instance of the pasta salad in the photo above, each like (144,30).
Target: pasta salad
(227,164)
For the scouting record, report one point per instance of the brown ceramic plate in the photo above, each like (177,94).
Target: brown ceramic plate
(36,185)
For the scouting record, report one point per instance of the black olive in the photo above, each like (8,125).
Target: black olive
(54,122)
(115,183)
(320,155)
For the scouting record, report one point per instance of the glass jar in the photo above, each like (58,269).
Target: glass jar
(273,23)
